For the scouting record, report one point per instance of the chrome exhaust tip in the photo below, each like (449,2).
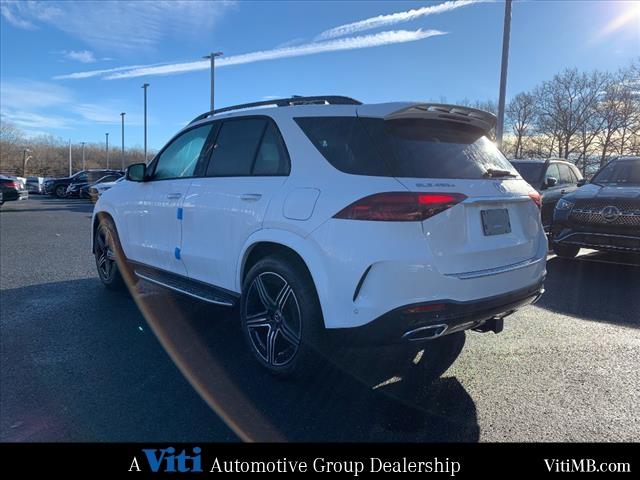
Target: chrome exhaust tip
(429,332)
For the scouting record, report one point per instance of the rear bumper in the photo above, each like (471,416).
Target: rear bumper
(430,320)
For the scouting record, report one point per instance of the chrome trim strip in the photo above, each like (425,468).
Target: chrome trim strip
(428,327)
(561,239)
(496,199)
(494,271)
(158,282)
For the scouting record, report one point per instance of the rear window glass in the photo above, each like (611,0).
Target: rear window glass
(531,172)
(419,148)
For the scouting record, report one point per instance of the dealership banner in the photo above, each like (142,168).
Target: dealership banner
(350,460)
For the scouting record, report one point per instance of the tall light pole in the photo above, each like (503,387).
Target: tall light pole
(25,159)
(503,72)
(122,115)
(145,86)
(212,56)
(107,148)
(70,160)
(83,164)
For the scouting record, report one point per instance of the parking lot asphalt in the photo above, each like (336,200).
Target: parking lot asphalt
(80,363)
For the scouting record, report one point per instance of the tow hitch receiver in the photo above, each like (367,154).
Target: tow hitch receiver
(495,324)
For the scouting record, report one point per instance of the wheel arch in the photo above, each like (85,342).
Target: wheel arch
(265,243)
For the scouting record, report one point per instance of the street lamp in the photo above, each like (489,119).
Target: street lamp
(83,164)
(212,56)
(25,159)
(503,71)
(122,115)
(145,86)
(107,148)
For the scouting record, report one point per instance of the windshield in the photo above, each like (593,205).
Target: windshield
(413,147)
(622,172)
(530,171)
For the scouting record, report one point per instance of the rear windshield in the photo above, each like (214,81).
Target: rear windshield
(419,148)
(531,172)
(624,172)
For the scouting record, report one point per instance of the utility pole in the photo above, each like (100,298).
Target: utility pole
(503,71)
(212,57)
(145,86)
(107,148)
(25,159)
(70,160)
(122,115)
(83,164)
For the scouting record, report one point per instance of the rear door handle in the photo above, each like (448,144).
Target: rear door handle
(251,197)
(173,196)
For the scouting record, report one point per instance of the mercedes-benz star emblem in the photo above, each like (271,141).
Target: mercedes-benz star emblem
(610,213)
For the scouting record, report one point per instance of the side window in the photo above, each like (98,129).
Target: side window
(180,158)
(272,158)
(566,176)
(236,147)
(80,178)
(552,171)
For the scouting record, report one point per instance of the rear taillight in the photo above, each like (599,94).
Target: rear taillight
(537,199)
(400,206)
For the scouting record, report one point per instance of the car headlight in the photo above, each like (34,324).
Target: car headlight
(564,205)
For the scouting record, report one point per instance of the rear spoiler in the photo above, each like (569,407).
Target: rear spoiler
(453,113)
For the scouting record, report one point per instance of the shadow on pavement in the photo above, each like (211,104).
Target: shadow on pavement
(591,290)
(79,363)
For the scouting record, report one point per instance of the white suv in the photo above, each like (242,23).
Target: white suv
(329,219)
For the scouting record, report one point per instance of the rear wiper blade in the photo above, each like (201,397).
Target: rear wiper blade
(496,172)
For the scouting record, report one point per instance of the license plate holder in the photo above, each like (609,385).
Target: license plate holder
(495,221)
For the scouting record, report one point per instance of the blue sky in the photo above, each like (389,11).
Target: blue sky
(373,51)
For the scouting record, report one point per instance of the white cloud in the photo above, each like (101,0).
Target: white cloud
(82,56)
(118,25)
(392,19)
(350,43)
(31,120)
(107,114)
(21,94)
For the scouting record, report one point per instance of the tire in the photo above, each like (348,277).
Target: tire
(60,191)
(565,251)
(110,259)
(281,318)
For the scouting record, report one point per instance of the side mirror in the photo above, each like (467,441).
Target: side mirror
(550,182)
(582,181)
(137,172)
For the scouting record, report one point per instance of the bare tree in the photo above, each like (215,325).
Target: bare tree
(521,114)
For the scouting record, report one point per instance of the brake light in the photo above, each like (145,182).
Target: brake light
(537,199)
(400,206)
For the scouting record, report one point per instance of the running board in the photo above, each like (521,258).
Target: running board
(193,288)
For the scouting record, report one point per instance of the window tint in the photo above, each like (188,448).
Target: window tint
(236,147)
(79,178)
(622,172)
(552,171)
(345,144)
(272,157)
(530,171)
(566,176)
(419,148)
(180,158)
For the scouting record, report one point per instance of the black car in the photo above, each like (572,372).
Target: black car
(552,178)
(603,215)
(82,189)
(12,189)
(57,187)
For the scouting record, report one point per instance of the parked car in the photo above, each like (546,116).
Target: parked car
(81,190)
(57,187)
(602,215)
(12,189)
(98,189)
(35,185)
(329,221)
(552,178)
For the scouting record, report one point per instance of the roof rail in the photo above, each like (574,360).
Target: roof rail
(284,102)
